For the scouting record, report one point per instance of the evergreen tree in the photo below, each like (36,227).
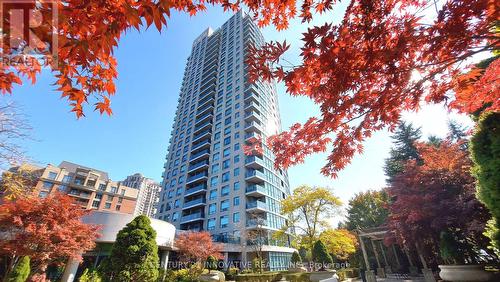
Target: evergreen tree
(296,258)
(485,150)
(321,255)
(404,149)
(211,263)
(134,256)
(367,209)
(456,131)
(21,271)
(434,140)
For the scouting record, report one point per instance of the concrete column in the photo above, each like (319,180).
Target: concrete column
(70,271)
(164,260)
(365,256)
(226,260)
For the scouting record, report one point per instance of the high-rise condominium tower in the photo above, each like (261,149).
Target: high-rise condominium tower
(209,183)
(149,193)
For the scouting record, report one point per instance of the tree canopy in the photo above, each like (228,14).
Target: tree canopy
(367,209)
(435,197)
(340,243)
(47,230)
(384,58)
(134,256)
(308,210)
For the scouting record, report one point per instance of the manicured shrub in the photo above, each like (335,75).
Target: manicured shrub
(296,258)
(321,255)
(211,263)
(231,273)
(21,271)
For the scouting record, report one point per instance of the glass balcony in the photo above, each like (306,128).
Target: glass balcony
(253,126)
(257,205)
(195,189)
(197,166)
(252,136)
(201,145)
(200,154)
(202,134)
(256,223)
(197,177)
(255,176)
(204,117)
(192,217)
(194,203)
(202,126)
(254,162)
(252,116)
(256,190)
(252,106)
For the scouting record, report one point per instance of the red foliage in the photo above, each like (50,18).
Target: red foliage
(435,196)
(383,59)
(47,230)
(197,246)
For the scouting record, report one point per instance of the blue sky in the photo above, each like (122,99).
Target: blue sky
(135,138)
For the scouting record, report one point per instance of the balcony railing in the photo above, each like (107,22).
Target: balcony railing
(195,189)
(199,154)
(194,202)
(198,165)
(197,176)
(256,189)
(256,205)
(191,217)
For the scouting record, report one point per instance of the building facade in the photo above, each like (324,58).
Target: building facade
(149,193)
(209,183)
(91,188)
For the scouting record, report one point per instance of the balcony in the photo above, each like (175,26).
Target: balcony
(255,176)
(205,125)
(251,97)
(201,145)
(254,162)
(202,134)
(256,206)
(197,177)
(253,126)
(198,166)
(205,110)
(199,155)
(204,117)
(256,190)
(194,203)
(195,189)
(249,106)
(256,223)
(252,116)
(192,217)
(252,137)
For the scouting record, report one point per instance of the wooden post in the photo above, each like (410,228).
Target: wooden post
(363,249)
(376,253)
(398,263)
(424,264)
(383,253)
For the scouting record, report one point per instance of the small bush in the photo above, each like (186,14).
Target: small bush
(211,263)
(231,273)
(320,254)
(296,258)
(90,276)
(21,271)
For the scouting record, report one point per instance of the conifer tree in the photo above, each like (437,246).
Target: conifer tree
(321,255)
(21,271)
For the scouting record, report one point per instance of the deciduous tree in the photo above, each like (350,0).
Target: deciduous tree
(438,196)
(340,243)
(47,230)
(382,59)
(367,209)
(196,247)
(134,256)
(308,210)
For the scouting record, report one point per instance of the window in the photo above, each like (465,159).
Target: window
(226,163)
(177,203)
(236,171)
(224,191)
(52,175)
(211,224)
(214,181)
(109,198)
(236,146)
(227,141)
(216,156)
(107,206)
(62,188)
(179,191)
(43,194)
(236,158)
(236,186)
(215,168)
(98,196)
(225,177)
(102,186)
(226,152)
(175,216)
(236,217)
(118,207)
(212,208)
(224,205)
(216,146)
(224,221)
(114,189)
(213,194)
(95,204)
(236,201)
(47,185)
(67,178)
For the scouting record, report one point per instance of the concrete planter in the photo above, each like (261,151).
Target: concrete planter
(211,277)
(320,275)
(469,273)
